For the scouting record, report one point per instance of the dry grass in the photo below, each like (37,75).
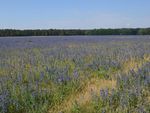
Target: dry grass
(132,64)
(84,97)
(94,85)
(147,57)
(135,64)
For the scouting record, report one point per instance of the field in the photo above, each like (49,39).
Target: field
(75,74)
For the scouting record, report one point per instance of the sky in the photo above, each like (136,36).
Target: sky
(74,14)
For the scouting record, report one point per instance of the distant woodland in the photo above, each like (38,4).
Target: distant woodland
(62,32)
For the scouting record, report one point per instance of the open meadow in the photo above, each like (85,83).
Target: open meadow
(75,74)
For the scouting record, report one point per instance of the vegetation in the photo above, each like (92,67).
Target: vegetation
(76,76)
(57,32)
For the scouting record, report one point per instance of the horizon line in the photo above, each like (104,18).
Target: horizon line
(73,28)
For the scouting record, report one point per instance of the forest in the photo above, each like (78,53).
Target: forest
(69,32)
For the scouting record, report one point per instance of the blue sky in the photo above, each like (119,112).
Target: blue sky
(66,14)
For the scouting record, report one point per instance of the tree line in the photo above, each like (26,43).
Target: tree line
(62,32)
